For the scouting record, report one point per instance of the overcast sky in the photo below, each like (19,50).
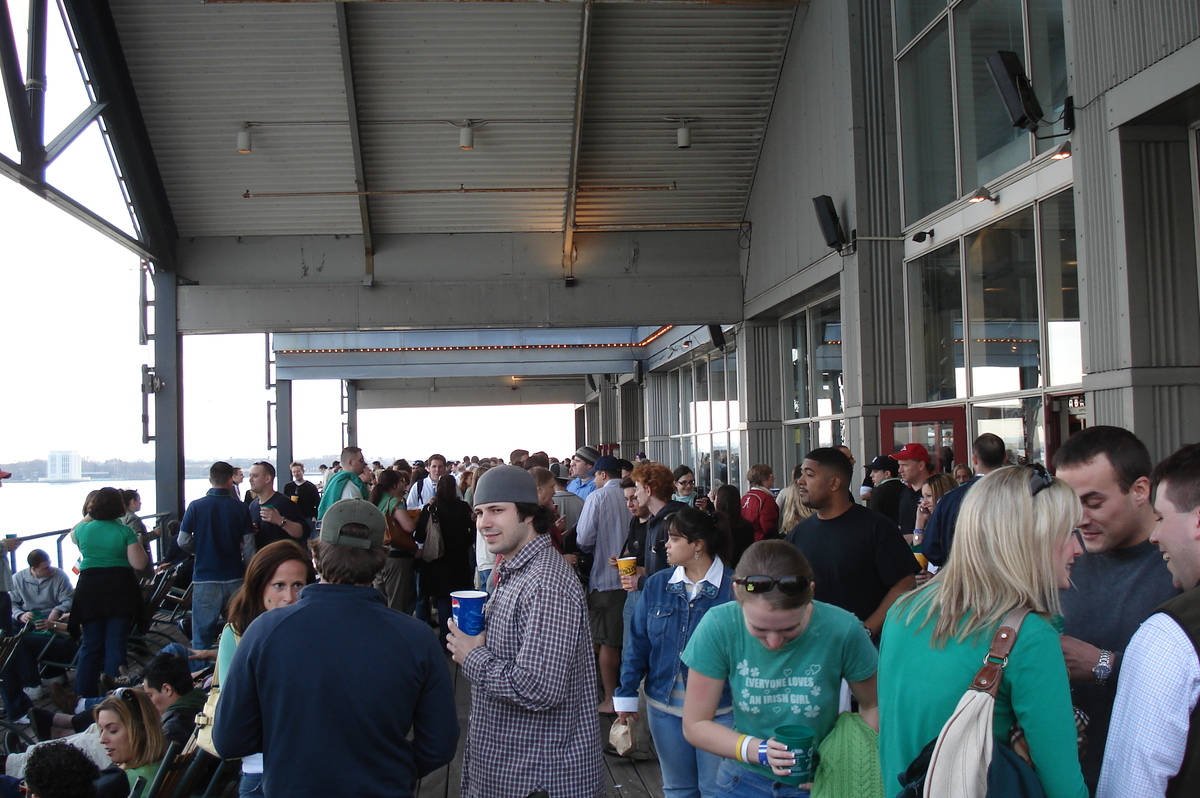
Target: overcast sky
(69,352)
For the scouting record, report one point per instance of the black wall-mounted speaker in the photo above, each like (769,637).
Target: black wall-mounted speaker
(1010,78)
(717,336)
(831,227)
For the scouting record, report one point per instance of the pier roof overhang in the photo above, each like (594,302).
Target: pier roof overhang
(355,208)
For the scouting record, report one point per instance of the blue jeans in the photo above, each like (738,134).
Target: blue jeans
(687,772)
(631,602)
(739,782)
(208,599)
(251,786)
(102,650)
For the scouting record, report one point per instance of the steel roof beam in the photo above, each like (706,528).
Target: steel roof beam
(72,131)
(14,87)
(104,60)
(14,170)
(585,37)
(360,180)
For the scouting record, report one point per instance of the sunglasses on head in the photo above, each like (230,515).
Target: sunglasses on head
(1039,479)
(792,585)
(128,695)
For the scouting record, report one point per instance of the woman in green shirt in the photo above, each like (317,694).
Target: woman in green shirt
(396,581)
(784,656)
(107,598)
(131,732)
(1013,549)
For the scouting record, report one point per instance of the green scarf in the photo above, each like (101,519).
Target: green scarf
(334,487)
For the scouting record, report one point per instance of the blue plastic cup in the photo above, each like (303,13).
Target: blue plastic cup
(467,606)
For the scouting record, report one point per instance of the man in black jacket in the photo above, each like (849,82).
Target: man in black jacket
(169,684)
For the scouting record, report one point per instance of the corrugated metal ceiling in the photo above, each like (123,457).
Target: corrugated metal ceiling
(419,68)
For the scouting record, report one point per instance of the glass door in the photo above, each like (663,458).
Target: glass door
(941,430)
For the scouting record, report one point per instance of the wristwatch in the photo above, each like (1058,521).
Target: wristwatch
(1103,668)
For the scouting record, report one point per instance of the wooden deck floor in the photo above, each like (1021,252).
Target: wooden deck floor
(625,778)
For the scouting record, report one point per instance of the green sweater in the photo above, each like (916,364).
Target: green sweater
(919,687)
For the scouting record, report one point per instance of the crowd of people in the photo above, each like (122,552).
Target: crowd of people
(849,613)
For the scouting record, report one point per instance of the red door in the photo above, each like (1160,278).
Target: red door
(934,428)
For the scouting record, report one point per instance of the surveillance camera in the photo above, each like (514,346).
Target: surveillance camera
(920,237)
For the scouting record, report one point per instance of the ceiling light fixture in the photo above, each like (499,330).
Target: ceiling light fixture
(243,140)
(1063,152)
(981,194)
(683,136)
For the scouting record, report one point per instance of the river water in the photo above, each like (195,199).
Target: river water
(28,508)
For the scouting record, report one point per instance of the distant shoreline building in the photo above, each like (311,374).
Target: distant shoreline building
(64,467)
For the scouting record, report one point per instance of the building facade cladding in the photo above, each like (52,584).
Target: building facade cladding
(1101,301)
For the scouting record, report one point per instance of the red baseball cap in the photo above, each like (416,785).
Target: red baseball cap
(913,451)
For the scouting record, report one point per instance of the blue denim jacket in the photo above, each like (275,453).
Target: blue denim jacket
(660,628)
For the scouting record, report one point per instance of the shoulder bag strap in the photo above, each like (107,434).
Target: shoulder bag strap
(987,680)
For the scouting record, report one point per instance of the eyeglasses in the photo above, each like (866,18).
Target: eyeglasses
(792,585)
(1039,479)
(129,696)
(686,482)
(1079,538)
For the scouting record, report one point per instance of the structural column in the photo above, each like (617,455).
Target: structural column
(168,399)
(1142,369)
(759,359)
(284,448)
(350,430)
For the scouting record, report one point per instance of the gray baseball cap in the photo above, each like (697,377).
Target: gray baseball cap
(506,484)
(353,511)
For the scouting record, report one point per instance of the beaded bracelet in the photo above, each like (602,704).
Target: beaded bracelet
(762,753)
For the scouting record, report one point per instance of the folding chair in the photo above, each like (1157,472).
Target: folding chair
(11,732)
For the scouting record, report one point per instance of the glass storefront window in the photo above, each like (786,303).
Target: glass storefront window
(927,125)
(1060,272)
(799,444)
(947,112)
(1018,422)
(990,144)
(703,462)
(688,453)
(720,460)
(703,412)
(798,404)
(936,337)
(1048,65)
(716,389)
(704,436)
(673,405)
(1002,301)
(688,394)
(831,432)
(913,15)
(732,468)
(827,336)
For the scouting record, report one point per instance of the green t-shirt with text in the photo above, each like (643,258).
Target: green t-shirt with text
(798,684)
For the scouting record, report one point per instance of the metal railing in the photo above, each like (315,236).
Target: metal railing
(61,534)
